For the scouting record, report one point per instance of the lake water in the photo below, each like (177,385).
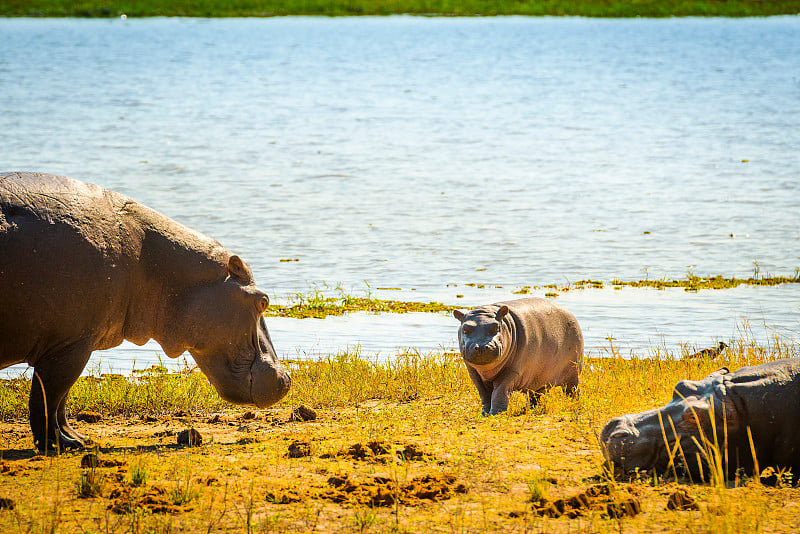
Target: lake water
(428,153)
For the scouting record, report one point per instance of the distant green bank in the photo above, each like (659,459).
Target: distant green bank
(270,8)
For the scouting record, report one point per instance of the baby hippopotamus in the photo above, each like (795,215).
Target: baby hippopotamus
(521,345)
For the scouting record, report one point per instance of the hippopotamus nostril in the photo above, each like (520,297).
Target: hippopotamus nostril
(621,434)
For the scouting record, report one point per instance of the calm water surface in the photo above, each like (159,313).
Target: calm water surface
(425,154)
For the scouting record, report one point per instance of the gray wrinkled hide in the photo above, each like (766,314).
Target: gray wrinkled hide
(83,268)
(521,345)
(764,398)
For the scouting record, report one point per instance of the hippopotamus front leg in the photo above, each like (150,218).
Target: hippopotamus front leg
(484,389)
(52,379)
(500,393)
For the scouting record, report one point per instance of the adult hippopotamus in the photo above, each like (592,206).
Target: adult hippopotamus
(763,398)
(520,345)
(83,268)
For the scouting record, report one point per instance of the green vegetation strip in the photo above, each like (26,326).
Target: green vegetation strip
(691,283)
(695,283)
(318,306)
(268,8)
(321,307)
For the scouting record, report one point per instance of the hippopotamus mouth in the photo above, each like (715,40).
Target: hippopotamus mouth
(478,354)
(643,442)
(269,381)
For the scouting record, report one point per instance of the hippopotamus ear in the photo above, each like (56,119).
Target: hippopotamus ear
(458,314)
(263,302)
(719,372)
(501,313)
(239,269)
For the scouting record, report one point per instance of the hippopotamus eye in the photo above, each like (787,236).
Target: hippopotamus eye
(494,329)
(467,330)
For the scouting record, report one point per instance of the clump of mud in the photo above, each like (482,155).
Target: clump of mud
(383,491)
(287,496)
(680,500)
(381,452)
(190,437)
(299,449)
(7,504)
(155,499)
(92,460)
(89,417)
(10,469)
(610,501)
(303,413)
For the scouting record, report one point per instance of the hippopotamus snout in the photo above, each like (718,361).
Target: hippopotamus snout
(618,439)
(269,384)
(481,352)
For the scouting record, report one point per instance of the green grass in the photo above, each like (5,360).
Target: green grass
(266,8)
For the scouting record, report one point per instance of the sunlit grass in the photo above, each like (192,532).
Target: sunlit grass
(508,461)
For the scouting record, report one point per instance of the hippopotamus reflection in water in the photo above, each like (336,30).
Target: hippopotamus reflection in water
(83,268)
(764,399)
(522,345)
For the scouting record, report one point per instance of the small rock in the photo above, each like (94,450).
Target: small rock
(89,417)
(248,415)
(214,419)
(190,437)
(299,449)
(303,413)
(181,413)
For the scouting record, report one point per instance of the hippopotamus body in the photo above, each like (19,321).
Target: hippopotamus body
(522,345)
(83,268)
(763,398)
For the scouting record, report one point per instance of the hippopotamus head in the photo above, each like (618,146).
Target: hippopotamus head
(225,332)
(480,334)
(697,414)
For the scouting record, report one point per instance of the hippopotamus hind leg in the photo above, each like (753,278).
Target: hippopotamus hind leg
(63,424)
(52,378)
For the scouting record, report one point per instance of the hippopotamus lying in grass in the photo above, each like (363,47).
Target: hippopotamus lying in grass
(83,268)
(764,399)
(521,345)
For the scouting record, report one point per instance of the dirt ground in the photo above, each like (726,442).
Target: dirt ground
(421,466)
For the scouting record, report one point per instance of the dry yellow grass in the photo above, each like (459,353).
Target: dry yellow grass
(243,479)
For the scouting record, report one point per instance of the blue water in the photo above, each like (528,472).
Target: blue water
(425,154)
